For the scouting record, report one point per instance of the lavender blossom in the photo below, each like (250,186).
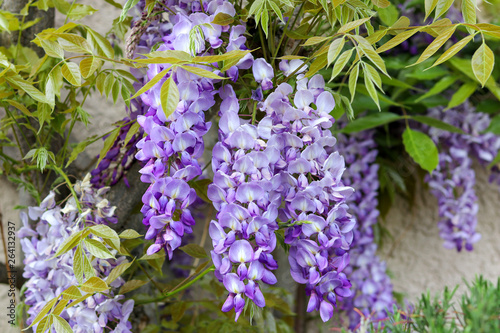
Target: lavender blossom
(453,181)
(372,287)
(174,144)
(48,277)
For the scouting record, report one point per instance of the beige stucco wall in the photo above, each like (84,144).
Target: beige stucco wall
(416,258)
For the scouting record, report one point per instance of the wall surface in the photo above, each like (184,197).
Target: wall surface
(416,257)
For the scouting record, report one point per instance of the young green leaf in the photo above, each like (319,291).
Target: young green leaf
(436,44)
(104,231)
(318,64)
(454,49)
(442,7)
(421,148)
(73,43)
(53,49)
(429,7)
(396,40)
(353,79)
(202,72)
(169,96)
(80,147)
(152,82)
(352,25)
(101,45)
(129,234)
(78,264)
(315,40)
(72,292)
(28,87)
(371,88)
(71,72)
(117,271)
(97,249)
(47,307)
(483,61)
(61,325)
(223,19)
(129,4)
(89,65)
(94,285)
(335,48)
(469,13)
(341,62)
(60,306)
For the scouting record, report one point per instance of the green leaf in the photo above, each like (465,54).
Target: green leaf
(94,285)
(388,15)
(100,44)
(53,49)
(222,19)
(442,7)
(371,88)
(202,72)
(60,306)
(370,53)
(318,64)
(421,148)
(315,40)
(78,264)
(169,96)
(89,65)
(157,255)
(108,143)
(429,7)
(104,231)
(231,55)
(152,82)
(100,82)
(129,234)
(72,292)
(370,121)
(194,250)
(44,324)
(70,242)
(201,188)
(483,61)
(44,311)
(341,62)
(71,72)
(129,4)
(116,91)
(464,92)
(352,25)
(28,87)
(440,86)
(117,271)
(61,325)
(396,40)
(131,285)
(134,129)
(335,48)
(353,79)
(73,43)
(436,44)
(454,49)
(469,13)
(437,124)
(20,107)
(97,249)
(464,66)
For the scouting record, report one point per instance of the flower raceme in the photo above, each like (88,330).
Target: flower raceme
(285,168)
(49,276)
(174,144)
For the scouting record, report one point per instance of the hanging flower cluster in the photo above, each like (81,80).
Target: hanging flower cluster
(366,272)
(49,276)
(453,181)
(174,144)
(286,161)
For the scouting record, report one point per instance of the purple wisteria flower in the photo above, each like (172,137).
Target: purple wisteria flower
(243,235)
(367,273)
(48,277)
(286,161)
(453,181)
(174,144)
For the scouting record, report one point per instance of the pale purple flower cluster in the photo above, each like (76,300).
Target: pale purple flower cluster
(286,161)
(367,273)
(48,277)
(453,181)
(243,235)
(173,145)
(308,177)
